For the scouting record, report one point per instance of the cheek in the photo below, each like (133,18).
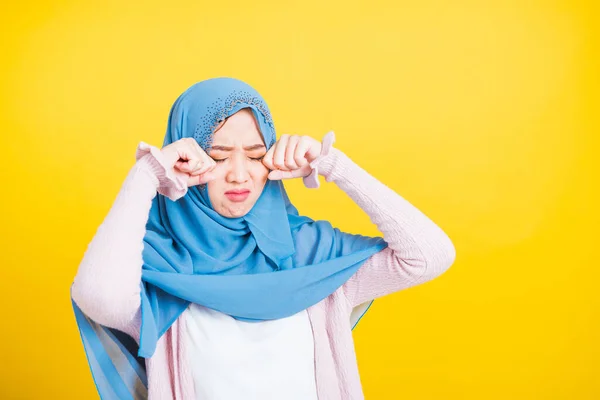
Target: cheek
(259,174)
(215,187)
(219,172)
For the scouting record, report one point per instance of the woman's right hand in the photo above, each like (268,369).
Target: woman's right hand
(186,155)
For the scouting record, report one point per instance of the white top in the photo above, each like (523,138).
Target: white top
(232,359)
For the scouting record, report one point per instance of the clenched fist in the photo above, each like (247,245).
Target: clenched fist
(290,156)
(186,156)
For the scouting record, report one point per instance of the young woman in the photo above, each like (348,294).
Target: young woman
(204,282)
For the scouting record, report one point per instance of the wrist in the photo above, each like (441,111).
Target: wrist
(170,183)
(312,180)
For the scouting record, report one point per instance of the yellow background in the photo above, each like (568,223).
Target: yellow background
(481,114)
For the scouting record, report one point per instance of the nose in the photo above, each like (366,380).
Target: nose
(238,172)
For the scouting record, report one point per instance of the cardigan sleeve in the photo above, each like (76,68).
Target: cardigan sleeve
(107,284)
(418,250)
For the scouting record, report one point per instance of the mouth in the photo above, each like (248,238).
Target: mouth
(237,195)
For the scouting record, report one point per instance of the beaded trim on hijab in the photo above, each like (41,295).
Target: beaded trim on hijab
(215,114)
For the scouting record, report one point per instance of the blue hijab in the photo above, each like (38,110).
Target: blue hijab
(271,263)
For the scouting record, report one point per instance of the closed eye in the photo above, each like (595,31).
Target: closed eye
(219,160)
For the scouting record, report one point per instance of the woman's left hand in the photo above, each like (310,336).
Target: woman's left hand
(290,156)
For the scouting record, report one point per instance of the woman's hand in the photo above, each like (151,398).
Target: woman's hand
(290,156)
(187,157)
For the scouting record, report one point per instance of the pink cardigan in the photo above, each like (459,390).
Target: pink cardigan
(106,286)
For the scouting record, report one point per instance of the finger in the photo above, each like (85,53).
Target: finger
(314,149)
(297,173)
(186,165)
(192,156)
(207,166)
(279,156)
(195,180)
(290,163)
(301,150)
(197,164)
(268,158)
(186,150)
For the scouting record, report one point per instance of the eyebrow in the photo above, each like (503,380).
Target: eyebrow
(227,148)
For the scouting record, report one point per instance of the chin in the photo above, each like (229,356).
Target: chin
(236,212)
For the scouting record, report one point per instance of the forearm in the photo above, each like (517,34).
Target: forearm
(418,250)
(107,284)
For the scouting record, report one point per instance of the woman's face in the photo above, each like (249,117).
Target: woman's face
(240,176)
